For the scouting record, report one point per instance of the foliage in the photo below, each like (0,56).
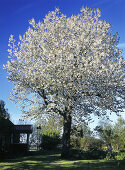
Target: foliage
(51,121)
(77,133)
(3,112)
(110,155)
(81,130)
(113,135)
(74,142)
(71,66)
(90,142)
(91,154)
(119,133)
(50,132)
(50,140)
(120,156)
(106,133)
(95,153)
(86,143)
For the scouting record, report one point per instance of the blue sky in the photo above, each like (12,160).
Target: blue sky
(14,17)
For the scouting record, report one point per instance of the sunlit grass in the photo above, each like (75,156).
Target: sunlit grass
(54,161)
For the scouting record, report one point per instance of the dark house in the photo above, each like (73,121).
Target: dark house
(10,136)
(6,131)
(16,145)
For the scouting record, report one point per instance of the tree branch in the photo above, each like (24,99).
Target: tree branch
(41,92)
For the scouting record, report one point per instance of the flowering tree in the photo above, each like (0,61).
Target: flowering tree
(65,65)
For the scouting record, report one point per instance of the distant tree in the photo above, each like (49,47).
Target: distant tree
(82,138)
(113,134)
(65,65)
(119,133)
(106,133)
(78,133)
(90,142)
(50,131)
(22,122)
(50,121)
(3,111)
(33,140)
(81,130)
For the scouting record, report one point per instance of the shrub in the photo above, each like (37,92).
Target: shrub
(115,155)
(87,155)
(85,143)
(120,156)
(50,140)
(110,155)
(95,153)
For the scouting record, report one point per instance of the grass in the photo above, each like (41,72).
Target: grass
(51,161)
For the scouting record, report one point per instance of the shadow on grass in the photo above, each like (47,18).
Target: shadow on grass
(52,160)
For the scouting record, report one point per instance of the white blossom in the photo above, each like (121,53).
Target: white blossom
(63,61)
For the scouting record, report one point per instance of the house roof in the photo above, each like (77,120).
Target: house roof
(23,128)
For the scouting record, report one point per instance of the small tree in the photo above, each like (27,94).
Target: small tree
(106,133)
(113,135)
(68,64)
(119,133)
(50,132)
(81,130)
(78,133)
(6,127)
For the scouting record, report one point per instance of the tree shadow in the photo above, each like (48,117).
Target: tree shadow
(52,160)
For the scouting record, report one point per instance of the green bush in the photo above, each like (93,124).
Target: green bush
(91,154)
(85,143)
(120,156)
(115,155)
(110,155)
(95,153)
(50,140)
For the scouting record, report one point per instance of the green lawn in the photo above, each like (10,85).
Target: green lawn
(53,161)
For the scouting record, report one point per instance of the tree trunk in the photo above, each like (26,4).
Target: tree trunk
(66,135)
